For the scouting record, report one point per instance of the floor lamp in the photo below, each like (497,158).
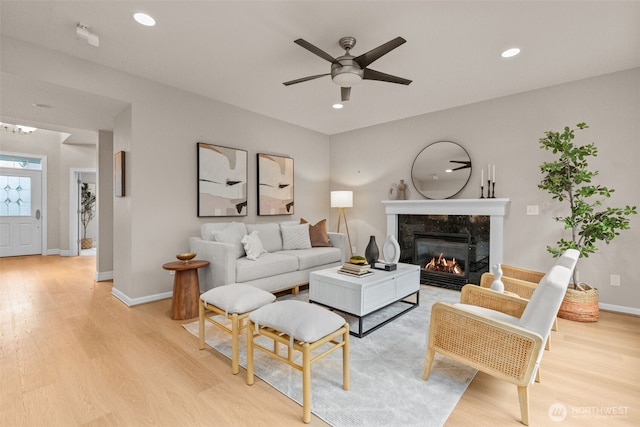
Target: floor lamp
(341,200)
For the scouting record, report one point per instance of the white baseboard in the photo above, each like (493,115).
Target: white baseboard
(620,309)
(142,300)
(103,275)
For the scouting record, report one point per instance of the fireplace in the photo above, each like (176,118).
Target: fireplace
(481,221)
(444,258)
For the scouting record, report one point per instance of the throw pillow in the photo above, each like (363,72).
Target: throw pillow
(253,245)
(295,237)
(232,234)
(318,233)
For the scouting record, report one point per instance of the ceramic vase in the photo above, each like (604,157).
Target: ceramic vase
(372,253)
(391,250)
(497,284)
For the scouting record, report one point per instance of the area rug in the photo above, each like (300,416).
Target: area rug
(386,372)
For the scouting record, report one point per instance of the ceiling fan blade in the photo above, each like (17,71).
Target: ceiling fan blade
(370,74)
(316,50)
(345,92)
(304,79)
(368,57)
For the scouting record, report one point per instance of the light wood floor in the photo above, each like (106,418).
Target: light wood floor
(72,354)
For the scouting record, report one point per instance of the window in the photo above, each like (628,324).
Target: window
(18,162)
(15,195)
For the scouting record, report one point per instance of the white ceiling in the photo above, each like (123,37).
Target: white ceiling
(240,52)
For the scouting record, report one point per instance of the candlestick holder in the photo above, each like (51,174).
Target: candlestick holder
(482,191)
(493,190)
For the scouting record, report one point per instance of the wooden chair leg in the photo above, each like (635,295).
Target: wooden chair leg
(306,383)
(538,375)
(523,397)
(235,337)
(201,311)
(249,353)
(555,324)
(427,363)
(547,345)
(345,359)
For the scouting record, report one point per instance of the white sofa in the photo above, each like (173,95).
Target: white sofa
(281,267)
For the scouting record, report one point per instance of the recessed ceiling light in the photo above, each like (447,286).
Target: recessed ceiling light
(45,106)
(510,52)
(337,106)
(144,19)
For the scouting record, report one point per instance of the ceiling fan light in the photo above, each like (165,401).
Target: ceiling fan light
(347,79)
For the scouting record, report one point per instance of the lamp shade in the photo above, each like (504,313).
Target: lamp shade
(342,199)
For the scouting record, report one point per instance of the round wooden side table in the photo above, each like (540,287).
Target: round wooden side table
(186,289)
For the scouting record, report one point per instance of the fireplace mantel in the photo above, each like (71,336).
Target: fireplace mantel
(496,209)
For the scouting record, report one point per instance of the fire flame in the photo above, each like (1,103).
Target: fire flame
(443,265)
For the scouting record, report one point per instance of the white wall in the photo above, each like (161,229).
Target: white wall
(159,132)
(160,129)
(505,132)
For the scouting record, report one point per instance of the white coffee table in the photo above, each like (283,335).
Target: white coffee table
(363,296)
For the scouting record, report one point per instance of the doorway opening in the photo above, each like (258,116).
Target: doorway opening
(77,229)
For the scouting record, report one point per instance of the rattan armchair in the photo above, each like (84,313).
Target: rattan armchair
(521,281)
(500,334)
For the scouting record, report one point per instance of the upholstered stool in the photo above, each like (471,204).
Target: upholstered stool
(235,302)
(303,327)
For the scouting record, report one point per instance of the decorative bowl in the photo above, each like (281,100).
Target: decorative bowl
(186,257)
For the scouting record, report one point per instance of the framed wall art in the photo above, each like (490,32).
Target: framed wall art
(118,174)
(275,185)
(222,181)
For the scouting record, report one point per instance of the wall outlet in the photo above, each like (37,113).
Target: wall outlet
(532,209)
(353,250)
(614,280)
(172,273)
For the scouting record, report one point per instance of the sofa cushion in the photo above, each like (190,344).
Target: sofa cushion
(315,257)
(295,237)
(318,233)
(233,234)
(209,228)
(269,264)
(253,245)
(269,235)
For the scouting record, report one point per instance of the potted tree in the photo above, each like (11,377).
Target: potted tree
(569,179)
(87,212)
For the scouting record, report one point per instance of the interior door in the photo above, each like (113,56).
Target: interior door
(20,212)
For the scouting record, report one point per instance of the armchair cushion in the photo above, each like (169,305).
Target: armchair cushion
(496,315)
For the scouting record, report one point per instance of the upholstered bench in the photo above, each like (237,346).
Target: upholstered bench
(235,302)
(303,327)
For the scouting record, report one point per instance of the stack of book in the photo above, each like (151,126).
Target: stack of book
(358,270)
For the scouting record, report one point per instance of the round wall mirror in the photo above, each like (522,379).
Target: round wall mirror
(441,170)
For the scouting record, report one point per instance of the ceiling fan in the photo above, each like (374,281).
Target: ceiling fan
(348,70)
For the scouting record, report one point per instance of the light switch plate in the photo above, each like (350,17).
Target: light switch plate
(532,209)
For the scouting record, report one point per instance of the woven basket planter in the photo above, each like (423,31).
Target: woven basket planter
(580,305)
(86,243)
